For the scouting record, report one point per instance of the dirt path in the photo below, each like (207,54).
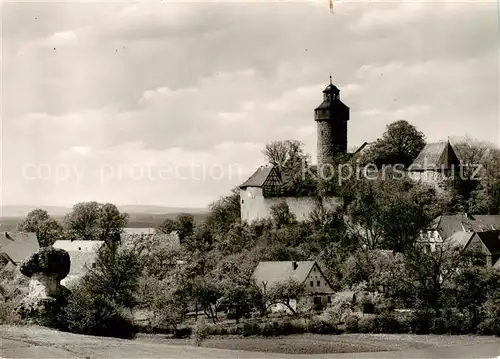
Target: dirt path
(35,342)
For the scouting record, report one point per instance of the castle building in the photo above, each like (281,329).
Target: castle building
(435,165)
(263,189)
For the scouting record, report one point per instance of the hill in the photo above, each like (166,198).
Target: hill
(23,210)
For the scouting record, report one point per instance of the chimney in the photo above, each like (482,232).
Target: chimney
(295,265)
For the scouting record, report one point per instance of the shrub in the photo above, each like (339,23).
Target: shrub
(352,324)
(421,322)
(250,328)
(387,323)
(93,316)
(280,328)
(323,327)
(200,332)
(451,322)
(181,333)
(366,325)
(490,326)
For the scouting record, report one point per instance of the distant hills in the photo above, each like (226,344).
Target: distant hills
(56,211)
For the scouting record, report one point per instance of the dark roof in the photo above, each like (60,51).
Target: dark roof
(18,245)
(258,178)
(364,148)
(447,225)
(331,88)
(491,240)
(435,156)
(335,104)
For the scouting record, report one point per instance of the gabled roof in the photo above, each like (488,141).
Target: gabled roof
(18,245)
(459,239)
(447,225)
(436,156)
(491,241)
(259,177)
(272,273)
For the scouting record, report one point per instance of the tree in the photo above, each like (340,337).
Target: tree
(390,214)
(292,163)
(485,199)
(281,215)
(47,229)
(186,224)
(114,277)
(224,212)
(284,292)
(400,144)
(95,221)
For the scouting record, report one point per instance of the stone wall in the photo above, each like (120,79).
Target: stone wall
(254,206)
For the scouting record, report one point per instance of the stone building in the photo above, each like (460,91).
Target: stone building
(435,165)
(263,189)
(331,117)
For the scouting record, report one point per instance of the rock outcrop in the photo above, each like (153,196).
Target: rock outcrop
(46,296)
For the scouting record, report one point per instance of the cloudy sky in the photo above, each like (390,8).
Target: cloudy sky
(170,104)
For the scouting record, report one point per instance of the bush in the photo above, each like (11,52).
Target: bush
(251,329)
(490,326)
(280,328)
(451,322)
(323,327)
(352,324)
(366,325)
(200,332)
(421,322)
(181,333)
(92,316)
(387,323)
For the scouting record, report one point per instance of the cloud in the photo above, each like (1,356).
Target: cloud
(212,83)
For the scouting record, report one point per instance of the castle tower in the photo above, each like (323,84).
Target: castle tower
(331,116)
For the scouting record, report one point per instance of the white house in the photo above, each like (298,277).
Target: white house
(318,289)
(82,255)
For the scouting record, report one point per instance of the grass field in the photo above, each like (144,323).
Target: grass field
(324,344)
(37,342)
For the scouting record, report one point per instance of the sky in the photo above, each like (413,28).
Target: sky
(162,103)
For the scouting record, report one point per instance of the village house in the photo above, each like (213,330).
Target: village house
(16,246)
(82,255)
(485,244)
(444,227)
(318,289)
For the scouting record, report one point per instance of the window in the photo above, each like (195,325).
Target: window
(318,283)
(311,283)
(329,299)
(314,269)
(242,201)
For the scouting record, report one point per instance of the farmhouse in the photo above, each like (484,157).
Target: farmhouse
(82,255)
(318,290)
(16,246)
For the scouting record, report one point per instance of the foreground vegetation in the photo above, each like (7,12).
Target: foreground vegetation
(369,246)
